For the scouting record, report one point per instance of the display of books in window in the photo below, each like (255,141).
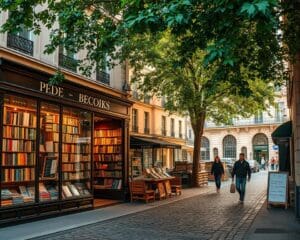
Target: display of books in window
(18,150)
(108,161)
(74,190)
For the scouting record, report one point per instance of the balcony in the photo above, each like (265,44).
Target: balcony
(67,62)
(103,77)
(20,44)
(146,130)
(164,132)
(135,129)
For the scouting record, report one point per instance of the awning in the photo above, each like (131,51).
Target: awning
(282,133)
(143,142)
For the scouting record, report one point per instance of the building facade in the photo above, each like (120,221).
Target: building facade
(251,136)
(62,146)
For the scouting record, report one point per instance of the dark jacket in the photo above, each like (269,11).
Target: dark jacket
(241,169)
(217,168)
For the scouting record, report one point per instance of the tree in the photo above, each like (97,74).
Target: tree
(216,52)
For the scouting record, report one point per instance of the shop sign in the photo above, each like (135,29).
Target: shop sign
(80,97)
(275,147)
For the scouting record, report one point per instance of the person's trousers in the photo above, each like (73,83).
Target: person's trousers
(218,181)
(241,186)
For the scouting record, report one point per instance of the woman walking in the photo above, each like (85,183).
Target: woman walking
(217,170)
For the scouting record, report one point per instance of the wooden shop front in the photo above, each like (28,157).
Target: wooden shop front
(61,146)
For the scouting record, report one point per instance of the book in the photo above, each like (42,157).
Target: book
(74,190)
(66,191)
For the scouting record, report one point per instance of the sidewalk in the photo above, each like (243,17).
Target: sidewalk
(274,224)
(66,222)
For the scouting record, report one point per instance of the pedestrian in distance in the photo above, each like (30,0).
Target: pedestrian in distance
(217,170)
(272,163)
(263,162)
(240,170)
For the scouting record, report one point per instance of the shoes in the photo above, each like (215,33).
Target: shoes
(218,190)
(241,202)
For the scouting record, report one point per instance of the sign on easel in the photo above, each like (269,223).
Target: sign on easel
(277,188)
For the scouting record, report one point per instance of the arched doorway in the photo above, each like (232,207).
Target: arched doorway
(244,150)
(204,149)
(229,147)
(260,147)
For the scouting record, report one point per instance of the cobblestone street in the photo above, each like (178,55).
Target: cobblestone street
(209,216)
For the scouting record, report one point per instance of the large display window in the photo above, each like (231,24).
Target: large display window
(18,151)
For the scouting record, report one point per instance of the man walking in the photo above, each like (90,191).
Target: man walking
(241,169)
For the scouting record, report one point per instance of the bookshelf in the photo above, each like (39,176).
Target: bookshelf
(76,154)
(108,161)
(18,151)
(49,153)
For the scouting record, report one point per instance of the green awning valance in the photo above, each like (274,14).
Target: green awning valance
(282,132)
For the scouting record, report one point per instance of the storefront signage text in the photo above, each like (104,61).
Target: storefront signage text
(82,98)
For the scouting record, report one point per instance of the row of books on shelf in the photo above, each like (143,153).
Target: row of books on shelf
(18,145)
(108,157)
(76,176)
(107,149)
(50,147)
(74,190)
(16,159)
(108,184)
(107,141)
(156,173)
(50,136)
(77,166)
(70,138)
(18,174)
(104,173)
(70,129)
(72,121)
(70,157)
(25,119)
(108,132)
(108,166)
(19,132)
(51,118)
(18,195)
(51,127)
(80,148)
(48,192)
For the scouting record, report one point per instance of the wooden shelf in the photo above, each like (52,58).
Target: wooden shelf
(17,183)
(108,170)
(24,139)
(108,177)
(18,166)
(14,125)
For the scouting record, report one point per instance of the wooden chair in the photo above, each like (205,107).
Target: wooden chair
(138,191)
(176,185)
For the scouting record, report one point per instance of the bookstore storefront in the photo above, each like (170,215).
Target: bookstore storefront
(61,146)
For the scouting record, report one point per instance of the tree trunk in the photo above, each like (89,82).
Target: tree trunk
(198,126)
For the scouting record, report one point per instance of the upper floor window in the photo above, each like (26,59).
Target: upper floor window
(67,60)
(163,126)
(146,123)
(163,101)
(279,111)
(258,117)
(172,127)
(103,76)
(135,120)
(180,128)
(21,41)
(147,99)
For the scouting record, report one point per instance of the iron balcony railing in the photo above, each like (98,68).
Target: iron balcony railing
(146,130)
(135,129)
(20,44)
(68,62)
(247,122)
(103,77)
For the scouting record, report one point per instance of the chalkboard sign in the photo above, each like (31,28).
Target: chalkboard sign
(277,188)
(50,168)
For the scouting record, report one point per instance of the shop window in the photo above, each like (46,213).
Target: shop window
(49,152)
(205,149)
(229,147)
(76,153)
(18,151)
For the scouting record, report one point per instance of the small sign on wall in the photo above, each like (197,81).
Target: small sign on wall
(277,188)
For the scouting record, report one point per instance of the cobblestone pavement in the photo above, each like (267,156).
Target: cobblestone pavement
(209,216)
